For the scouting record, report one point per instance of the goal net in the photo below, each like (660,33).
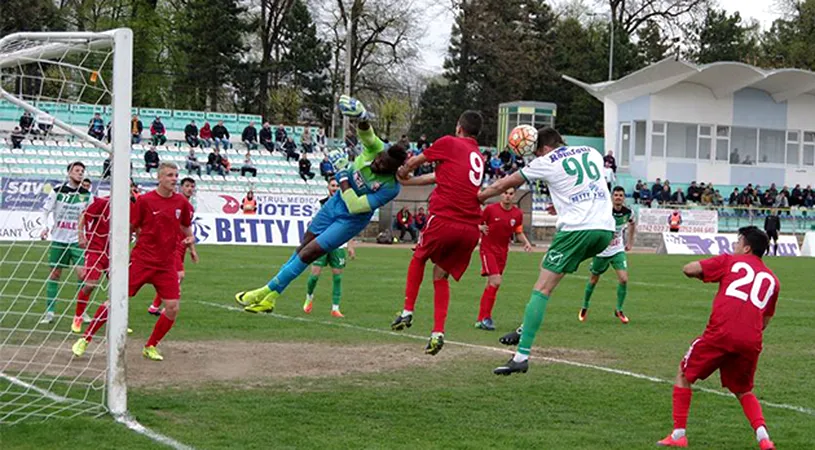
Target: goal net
(64,98)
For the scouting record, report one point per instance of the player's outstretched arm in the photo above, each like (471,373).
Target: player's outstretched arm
(422,180)
(411,165)
(497,188)
(693,270)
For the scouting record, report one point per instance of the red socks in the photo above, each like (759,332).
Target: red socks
(414,282)
(163,325)
(81,302)
(487,302)
(99,319)
(156,301)
(752,410)
(441,300)
(681,406)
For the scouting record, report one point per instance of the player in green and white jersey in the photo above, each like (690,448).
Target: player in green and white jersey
(62,209)
(335,259)
(614,256)
(584,226)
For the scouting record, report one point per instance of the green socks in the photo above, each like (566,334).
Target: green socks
(533,318)
(622,289)
(336,293)
(51,290)
(311,284)
(587,294)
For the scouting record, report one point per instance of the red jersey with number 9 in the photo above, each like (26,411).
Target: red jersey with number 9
(748,292)
(459,172)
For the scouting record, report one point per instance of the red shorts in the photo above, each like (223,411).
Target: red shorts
(96,263)
(448,244)
(493,263)
(736,369)
(179,259)
(165,280)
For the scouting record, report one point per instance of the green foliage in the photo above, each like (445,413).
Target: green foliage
(28,15)
(653,46)
(391,111)
(285,104)
(789,42)
(723,37)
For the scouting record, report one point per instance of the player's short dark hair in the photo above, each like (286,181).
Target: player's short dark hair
(187,180)
(76,163)
(88,180)
(471,122)
(549,137)
(757,239)
(618,189)
(397,155)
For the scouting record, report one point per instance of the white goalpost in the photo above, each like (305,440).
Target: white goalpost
(61,79)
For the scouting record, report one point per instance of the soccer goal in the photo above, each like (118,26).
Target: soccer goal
(57,82)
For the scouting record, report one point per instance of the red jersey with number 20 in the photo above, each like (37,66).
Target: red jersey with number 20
(748,292)
(502,225)
(459,173)
(97,217)
(159,220)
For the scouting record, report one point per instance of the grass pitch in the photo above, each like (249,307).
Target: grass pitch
(378,390)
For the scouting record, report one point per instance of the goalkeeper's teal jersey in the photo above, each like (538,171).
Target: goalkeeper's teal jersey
(380,188)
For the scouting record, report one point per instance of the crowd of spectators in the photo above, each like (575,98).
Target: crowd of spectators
(406,222)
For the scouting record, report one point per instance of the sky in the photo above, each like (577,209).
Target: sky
(440,20)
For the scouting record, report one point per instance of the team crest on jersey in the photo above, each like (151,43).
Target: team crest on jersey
(512,222)
(177,213)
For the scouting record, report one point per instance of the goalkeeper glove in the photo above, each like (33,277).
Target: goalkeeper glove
(342,175)
(351,107)
(338,160)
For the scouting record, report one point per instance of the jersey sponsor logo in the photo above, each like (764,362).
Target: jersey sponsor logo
(564,152)
(592,193)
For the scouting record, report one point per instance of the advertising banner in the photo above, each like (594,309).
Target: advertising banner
(25,194)
(809,244)
(20,225)
(716,244)
(293,205)
(693,220)
(225,229)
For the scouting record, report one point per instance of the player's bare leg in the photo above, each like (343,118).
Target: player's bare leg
(484,321)
(441,302)
(155,307)
(584,311)
(622,291)
(165,321)
(533,318)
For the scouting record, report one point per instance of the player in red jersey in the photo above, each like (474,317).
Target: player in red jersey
(499,222)
(156,215)
(451,233)
(94,227)
(187,190)
(731,342)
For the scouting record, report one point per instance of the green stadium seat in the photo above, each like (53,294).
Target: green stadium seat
(81,114)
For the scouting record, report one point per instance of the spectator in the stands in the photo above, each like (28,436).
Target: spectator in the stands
(695,192)
(707,197)
(45,123)
(495,167)
(797,196)
(319,140)
(420,219)
(306,142)
(249,205)
(422,141)
(734,156)
(226,164)
(773,191)
(96,127)
(326,168)
(17,138)
(248,167)
(206,135)
(609,175)
(136,129)
(280,136)
(351,140)
(26,122)
(782,199)
(506,158)
(250,136)
(733,200)
(305,168)
(290,148)
(215,162)
(221,136)
(665,195)
(656,189)
(266,138)
(636,194)
(678,197)
(151,159)
(609,159)
(86,184)
(191,134)
(403,222)
(717,199)
(158,133)
(809,200)
(192,162)
(645,195)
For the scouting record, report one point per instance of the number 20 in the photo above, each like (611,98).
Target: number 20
(755,280)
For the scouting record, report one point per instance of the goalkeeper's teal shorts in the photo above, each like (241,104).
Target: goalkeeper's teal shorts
(334,225)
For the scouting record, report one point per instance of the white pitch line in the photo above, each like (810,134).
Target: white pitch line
(127,421)
(626,373)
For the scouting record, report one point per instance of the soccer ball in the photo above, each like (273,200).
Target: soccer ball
(523,139)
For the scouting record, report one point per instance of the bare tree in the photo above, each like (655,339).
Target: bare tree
(630,15)
(268,16)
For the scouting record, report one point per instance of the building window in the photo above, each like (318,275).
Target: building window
(681,138)
(809,148)
(743,146)
(722,143)
(705,142)
(793,147)
(771,146)
(658,139)
(639,138)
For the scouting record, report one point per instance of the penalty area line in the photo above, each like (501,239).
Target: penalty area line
(567,362)
(125,420)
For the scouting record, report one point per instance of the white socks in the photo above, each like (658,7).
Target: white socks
(436,334)
(335,307)
(761,434)
(519,357)
(406,313)
(678,433)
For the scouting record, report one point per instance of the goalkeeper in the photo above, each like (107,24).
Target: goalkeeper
(367,184)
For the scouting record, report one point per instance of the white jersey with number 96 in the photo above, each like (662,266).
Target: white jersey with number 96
(579,192)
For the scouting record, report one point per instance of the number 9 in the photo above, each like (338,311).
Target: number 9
(477,172)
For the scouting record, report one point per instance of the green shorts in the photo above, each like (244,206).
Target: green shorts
(600,264)
(335,259)
(570,248)
(65,255)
